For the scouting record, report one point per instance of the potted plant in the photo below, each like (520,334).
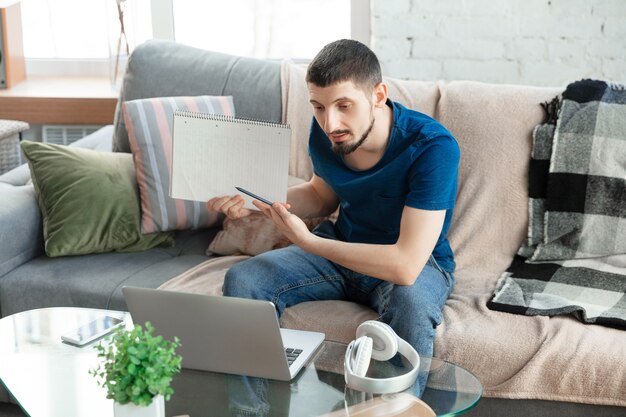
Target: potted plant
(137,370)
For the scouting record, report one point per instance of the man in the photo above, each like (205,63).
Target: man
(393,173)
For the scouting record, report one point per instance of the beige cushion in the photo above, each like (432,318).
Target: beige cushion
(250,235)
(253,234)
(493,125)
(514,356)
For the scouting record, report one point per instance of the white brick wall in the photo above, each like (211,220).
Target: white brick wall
(536,42)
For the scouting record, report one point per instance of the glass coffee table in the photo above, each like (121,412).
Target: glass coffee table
(50,378)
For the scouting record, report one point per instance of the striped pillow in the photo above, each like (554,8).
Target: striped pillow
(149,124)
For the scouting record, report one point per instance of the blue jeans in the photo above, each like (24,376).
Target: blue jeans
(290,276)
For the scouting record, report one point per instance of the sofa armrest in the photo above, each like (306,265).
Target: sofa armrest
(100,140)
(17,176)
(21,233)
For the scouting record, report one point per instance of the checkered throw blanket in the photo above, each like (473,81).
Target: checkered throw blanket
(574,260)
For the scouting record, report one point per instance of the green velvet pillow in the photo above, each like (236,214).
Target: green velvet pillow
(89,200)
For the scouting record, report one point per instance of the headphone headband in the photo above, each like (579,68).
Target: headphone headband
(383,385)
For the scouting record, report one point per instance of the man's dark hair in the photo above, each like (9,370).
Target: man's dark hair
(345,60)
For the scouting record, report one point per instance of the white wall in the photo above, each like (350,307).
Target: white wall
(536,42)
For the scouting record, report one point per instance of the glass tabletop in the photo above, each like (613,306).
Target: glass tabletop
(50,378)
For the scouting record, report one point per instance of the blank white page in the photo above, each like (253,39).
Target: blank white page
(213,154)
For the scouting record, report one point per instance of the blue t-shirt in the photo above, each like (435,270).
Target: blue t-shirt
(418,169)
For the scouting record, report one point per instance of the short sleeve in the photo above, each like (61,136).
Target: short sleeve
(434,174)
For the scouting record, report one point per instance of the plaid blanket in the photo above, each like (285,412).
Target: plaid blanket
(574,259)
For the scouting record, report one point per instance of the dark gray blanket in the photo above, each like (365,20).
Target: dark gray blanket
(574,260)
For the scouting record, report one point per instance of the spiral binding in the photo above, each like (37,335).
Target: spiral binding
(229,119)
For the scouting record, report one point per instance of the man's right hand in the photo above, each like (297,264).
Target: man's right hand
(231,206)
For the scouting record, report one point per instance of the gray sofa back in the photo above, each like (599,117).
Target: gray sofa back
(166,69)
(155,69)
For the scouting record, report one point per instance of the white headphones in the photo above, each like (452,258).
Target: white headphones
(377,340)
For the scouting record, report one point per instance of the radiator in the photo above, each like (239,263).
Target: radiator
(66,134)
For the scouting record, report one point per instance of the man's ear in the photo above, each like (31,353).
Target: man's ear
(380,94)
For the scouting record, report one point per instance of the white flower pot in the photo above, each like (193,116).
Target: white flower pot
(155,409)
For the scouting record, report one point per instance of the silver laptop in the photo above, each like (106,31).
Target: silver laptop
(224,334)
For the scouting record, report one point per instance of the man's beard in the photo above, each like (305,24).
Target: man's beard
(345,148)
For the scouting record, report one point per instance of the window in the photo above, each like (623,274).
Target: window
(64,29)
(262,28)
(77,37)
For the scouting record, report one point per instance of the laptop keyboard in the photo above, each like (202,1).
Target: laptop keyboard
(292,354)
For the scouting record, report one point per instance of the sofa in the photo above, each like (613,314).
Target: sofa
(529,365)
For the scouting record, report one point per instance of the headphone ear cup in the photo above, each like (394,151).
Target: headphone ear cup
(384,339)
(362,356)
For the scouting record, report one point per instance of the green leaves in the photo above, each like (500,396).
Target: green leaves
(137,365)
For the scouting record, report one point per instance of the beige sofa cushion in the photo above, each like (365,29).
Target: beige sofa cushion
(514,356)
(493,125)
(253,234)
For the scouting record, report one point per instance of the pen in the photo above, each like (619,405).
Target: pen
(269,203)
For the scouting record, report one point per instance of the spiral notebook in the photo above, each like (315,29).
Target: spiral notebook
(212,154)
